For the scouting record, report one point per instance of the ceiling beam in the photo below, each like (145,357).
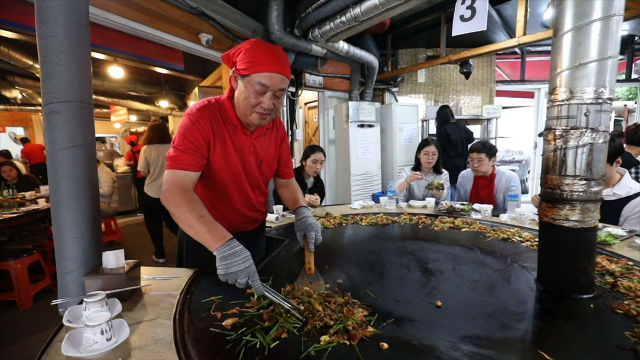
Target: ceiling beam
(469,54)
(103,56)
(231,18)
(523,15)
(504,30)
(149,32)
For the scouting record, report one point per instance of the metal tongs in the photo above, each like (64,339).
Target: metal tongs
(59,301)
(284,302)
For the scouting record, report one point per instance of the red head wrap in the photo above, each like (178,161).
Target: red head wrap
(131,138)
(256,56)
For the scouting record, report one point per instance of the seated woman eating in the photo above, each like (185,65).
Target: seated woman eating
(426,178)
(11,175)
(483,182)
(621,196)
(308,176)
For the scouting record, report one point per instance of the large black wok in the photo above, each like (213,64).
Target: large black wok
(491,306)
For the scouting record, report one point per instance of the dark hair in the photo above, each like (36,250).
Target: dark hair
(616,150)
(417,165)
(444,115)
(310,150)
(24,140)
(618,134)
(6,154)
(484,147)
(157,133)
(632,135)
(13,165)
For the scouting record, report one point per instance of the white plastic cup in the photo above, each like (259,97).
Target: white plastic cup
(277,209)
(521,214)
(98,333)
(431,202)
(486,210)
(95,303)
(42,201)
(383,200)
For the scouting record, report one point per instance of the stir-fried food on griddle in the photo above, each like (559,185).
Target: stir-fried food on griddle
(333,318)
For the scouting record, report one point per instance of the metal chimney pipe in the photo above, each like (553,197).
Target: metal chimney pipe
(584,61)
(64,49)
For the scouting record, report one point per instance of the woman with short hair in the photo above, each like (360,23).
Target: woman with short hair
(426,178)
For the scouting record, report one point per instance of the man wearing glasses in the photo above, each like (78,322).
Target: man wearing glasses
(483,182)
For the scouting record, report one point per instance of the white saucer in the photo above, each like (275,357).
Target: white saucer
(73,315)
(73,341)
(417,204)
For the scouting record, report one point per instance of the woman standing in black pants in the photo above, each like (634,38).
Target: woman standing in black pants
(156,143)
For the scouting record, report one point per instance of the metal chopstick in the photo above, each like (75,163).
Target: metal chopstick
(59,301)
(284,302)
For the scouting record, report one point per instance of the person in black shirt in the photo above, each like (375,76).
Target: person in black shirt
(454,139)
(308,176)
(11,175)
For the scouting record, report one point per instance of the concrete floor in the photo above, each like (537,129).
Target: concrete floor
(33,326)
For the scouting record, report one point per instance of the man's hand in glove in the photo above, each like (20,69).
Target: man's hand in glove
(236,266)
(306,224)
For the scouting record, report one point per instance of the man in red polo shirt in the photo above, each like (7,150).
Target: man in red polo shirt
(34,153)
(227,149)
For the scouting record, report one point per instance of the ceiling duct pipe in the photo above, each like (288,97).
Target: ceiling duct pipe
(319,11)
(134,105)
(280,36)
(356,54)
(12,54)
(355,15)
(584,62)
(37,109)
(202,15)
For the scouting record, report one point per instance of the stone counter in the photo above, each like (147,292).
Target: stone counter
(150,318)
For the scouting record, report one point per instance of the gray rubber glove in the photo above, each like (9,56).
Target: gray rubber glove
(306,224)
(236,266)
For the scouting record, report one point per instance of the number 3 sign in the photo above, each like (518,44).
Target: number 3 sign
(470,16)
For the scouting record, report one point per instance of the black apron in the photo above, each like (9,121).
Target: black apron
(610,210)
(193,255)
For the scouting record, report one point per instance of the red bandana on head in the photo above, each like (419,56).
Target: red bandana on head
(256,56)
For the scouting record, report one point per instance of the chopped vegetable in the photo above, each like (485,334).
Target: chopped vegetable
(438,303)
(605,237)
(230,321)
(384,346)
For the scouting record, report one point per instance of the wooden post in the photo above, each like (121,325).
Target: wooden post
(469,54)
(226,73)
(523,14)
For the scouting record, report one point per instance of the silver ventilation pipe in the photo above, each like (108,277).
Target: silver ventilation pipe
(280,36)
(355,15)
(316,13)
(17,57)
(584,62)
(354,53)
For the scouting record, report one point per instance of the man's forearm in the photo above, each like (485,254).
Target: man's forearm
(290,193)
(192,216)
